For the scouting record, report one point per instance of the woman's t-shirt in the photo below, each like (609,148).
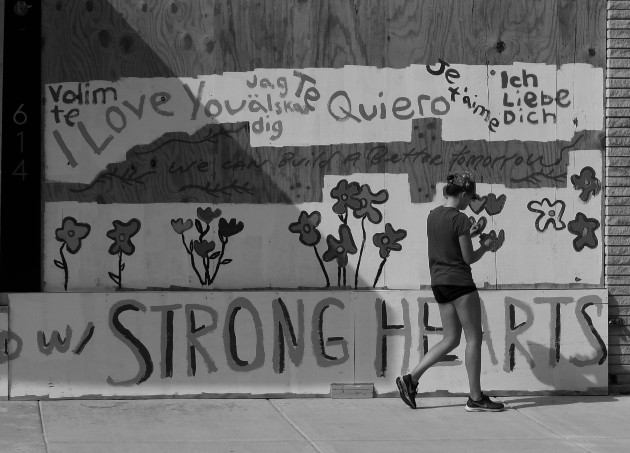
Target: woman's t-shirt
(446,263)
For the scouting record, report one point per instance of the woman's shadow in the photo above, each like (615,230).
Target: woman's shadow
(548,375)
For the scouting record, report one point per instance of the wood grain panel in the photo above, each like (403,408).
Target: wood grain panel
(522,31)
(97,39)
(92,40)
(423,32)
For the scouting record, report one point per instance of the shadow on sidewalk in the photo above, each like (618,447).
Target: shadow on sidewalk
(518,402)
(545,372)
(525,402)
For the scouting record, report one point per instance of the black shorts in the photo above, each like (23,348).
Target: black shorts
(448,293)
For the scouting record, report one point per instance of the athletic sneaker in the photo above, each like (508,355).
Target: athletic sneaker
(485,404)
(407,390)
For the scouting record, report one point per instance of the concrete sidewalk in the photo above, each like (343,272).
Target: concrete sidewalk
(537,424)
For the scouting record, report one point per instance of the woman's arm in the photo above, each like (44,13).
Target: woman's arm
(471,256)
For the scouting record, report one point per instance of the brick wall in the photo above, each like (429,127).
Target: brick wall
(617,182)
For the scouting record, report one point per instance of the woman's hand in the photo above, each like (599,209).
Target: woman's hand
(477,227)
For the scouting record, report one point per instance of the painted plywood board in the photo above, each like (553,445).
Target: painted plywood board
(264,136)
(295,343)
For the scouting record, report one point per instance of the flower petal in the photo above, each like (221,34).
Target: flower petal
(114,249)
(73,244)
(331,253)
(535,206)
(380,197)
(180,226)
(314,218)
(339,207)
(127,247)
(346,240)
(133,227)
(207,215)
(399,235)
(311,238)
(374,215)
(82,230)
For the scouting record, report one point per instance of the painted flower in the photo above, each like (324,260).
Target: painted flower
(548,213)
(367,199)
(587,182)
(227,229)
(494,205)
(389,240)
(121,235)
(491,240)
(346,195)
(180,226)
(72,233)
(477,206)
(203,248)
(306,226)
(340,248)
(208,215)
(584,228)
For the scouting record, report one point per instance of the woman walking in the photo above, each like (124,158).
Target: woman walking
(451,253)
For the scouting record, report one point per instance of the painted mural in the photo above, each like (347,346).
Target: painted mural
(235,198)
(241,139)
(266,343)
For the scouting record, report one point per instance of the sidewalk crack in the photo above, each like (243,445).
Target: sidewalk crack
(41,421)
(296,427)
(551,430)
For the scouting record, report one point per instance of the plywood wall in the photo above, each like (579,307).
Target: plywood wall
(174,162)
(296,343)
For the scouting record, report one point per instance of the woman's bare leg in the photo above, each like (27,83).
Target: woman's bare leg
(452,333)
(469,312)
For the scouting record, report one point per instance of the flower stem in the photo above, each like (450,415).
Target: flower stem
(206,266)
(356,273)
(216,269)
(321,264)
(344,276)
(204,232)
(120,270)
(192,258)
(378,274)
(338,275)
(65,267)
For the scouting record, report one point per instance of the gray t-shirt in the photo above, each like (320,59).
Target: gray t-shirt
(444,227)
